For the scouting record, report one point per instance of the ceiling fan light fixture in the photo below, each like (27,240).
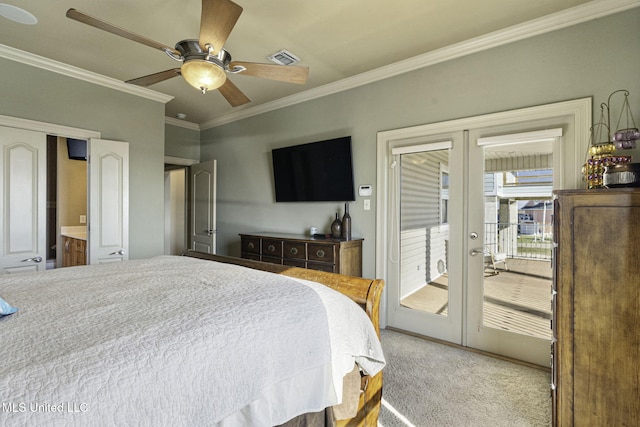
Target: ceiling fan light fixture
(203,75)
(16,14)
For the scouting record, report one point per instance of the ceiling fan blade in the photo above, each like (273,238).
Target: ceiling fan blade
(216,22)
(283,73)
(155,78)
(110,28)
(232,94)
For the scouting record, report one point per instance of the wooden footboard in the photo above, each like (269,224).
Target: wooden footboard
(366,292)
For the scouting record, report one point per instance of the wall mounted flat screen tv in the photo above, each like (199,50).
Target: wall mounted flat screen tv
(316,172)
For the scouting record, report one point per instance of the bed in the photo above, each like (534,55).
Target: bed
(192,340)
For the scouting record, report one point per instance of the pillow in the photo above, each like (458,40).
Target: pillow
(6,309)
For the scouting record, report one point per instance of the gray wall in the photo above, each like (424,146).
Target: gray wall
(35,94)
(590,59)
(181,142)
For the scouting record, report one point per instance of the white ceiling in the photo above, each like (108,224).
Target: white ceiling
(337,39)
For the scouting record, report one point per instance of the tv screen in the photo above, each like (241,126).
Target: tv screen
(77,149)
(317,172)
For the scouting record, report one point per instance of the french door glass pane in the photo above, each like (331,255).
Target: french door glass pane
(518,183)
(424,231)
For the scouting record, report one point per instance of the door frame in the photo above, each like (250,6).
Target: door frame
(48,128)
(171,199)
(574,115)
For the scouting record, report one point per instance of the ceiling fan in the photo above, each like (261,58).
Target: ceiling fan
(205,62)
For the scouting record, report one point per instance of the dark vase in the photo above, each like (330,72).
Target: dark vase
(346,223)
(336,227)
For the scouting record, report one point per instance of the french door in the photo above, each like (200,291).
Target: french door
(456,200)
(425,260)
(509,242)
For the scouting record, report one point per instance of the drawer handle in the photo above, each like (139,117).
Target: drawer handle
(251,245)
(294,251)
(271,248)
(320,253)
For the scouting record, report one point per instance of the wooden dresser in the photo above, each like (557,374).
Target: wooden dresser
(596,321)
(331,255)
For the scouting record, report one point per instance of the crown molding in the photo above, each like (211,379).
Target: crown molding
(556,21)
(181,123)
(80,74)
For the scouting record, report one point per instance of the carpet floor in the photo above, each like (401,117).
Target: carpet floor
(432,384)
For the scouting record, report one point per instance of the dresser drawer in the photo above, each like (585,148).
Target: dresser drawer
(272,247)
(295,250)
(320,266)
(321,252)
(251,245)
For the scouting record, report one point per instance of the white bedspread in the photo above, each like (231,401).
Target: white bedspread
(175,341)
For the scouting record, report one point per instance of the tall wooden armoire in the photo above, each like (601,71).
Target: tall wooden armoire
(596,321)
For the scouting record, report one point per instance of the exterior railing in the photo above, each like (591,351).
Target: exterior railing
(525,240)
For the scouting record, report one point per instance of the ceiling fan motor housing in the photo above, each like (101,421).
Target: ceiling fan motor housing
(190,50)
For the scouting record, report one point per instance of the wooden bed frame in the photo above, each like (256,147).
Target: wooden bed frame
(366,292)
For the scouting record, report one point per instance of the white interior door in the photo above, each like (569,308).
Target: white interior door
(108,222)
(203,206)
(23,195)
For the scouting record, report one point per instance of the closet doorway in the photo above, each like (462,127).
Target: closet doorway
(23,218)
(433,210)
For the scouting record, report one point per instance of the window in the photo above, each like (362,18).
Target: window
(444,194)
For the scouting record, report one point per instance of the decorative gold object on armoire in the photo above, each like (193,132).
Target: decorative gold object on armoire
(596,308)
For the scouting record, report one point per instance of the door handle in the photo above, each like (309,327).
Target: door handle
(120,252)
(475,252)
(209,232)
(34,259)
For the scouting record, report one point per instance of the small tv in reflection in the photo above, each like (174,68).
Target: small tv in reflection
(77,149)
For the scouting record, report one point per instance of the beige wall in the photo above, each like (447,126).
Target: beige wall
(72,187)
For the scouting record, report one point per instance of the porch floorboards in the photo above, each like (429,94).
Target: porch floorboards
(516,300)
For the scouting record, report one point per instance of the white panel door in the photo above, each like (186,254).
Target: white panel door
(203,207)
(108,222)
(23,189)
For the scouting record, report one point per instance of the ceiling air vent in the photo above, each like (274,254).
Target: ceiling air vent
(283,57)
